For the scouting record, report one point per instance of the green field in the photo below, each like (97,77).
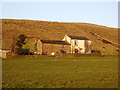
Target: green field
(61,72)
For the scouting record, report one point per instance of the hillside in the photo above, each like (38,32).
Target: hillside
(57,30)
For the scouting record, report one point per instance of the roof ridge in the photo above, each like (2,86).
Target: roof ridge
(78,37)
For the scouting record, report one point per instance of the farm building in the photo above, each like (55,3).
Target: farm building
(69,44)
(49,46)
(4,53)
(78,44)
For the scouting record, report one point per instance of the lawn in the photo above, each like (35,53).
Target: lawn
(61,72)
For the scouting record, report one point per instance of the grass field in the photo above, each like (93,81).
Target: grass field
(61,72)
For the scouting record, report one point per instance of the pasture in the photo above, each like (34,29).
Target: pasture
(60,72)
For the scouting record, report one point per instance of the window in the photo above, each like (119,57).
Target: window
(75,43)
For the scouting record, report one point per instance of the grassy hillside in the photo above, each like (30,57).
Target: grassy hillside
(57,30)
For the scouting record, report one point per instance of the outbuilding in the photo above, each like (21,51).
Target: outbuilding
(49,47)
(4,53)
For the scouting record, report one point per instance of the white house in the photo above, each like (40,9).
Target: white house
(78,44)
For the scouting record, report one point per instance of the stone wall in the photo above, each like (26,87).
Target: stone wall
(38,47)
(56,48)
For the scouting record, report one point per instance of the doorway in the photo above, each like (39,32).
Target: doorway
(76,50)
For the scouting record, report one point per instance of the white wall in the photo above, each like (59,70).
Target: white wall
(66,38)
(81,44)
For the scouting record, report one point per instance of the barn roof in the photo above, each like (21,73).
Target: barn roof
(77,37)
(55,42)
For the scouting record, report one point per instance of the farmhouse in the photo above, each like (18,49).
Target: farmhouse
(69,44)
(78,44)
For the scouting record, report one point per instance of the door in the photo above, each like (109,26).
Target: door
(76,50)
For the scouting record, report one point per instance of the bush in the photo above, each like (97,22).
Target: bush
(23,51)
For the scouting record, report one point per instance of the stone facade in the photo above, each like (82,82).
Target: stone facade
(56,48)
(38,47)
(49,47)
(79,44)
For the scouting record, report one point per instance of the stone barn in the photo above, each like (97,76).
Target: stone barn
(49,46)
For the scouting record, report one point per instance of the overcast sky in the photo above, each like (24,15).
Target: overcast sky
(101,13)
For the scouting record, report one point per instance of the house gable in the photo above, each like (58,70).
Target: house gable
(66,38)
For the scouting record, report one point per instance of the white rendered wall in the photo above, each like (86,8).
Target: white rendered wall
(81,44)
(66,38)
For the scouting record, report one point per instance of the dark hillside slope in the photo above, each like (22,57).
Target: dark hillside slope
(57,30)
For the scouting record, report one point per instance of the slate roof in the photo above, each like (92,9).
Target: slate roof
(77,37)
(55,42)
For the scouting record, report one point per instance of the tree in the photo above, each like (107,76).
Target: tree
(21,40)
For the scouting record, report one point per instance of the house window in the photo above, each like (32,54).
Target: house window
(75,42)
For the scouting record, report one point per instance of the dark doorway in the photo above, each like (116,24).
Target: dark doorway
(76,50)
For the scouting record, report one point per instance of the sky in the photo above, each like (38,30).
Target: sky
(100,13)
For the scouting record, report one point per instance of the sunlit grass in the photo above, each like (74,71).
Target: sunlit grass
(61,72)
